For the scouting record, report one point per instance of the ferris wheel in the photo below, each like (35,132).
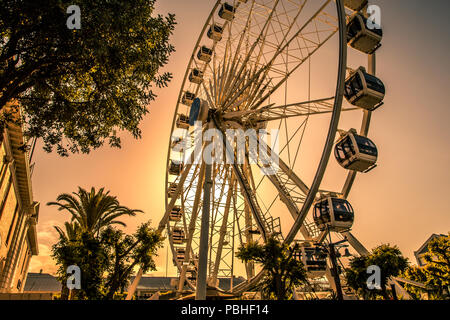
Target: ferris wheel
(252,58)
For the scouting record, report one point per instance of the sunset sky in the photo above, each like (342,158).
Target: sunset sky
(402,202)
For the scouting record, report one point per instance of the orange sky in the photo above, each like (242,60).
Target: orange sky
(401,202)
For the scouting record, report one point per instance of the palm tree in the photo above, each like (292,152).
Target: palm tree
(71,231)
(283,271)
(92,211)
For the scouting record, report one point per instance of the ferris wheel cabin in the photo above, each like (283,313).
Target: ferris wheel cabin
(176,214)
(175,168)
(183,121)
(364,90)
(172,189)
(178,235)
(215,32)
(205,54)
(356,5)
(188,98)
(360,37)
(355,152)
(227,11)
(178,144)
(314,260)
(196,76)
(180,254)
(334,214)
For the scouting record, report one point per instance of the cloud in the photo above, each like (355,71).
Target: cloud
(44,263)
(47,236)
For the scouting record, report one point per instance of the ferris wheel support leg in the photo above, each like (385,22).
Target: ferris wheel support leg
(163,223)
(191,229)
(223,231)
(400,290)
(134,285)
(200,293)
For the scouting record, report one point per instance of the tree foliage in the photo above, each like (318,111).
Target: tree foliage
(125,252)
(92,210)
(283,270)
(435,274)
(106,261)
(105,256)
(391,263)
(79,88)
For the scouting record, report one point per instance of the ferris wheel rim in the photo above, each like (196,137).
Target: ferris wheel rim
(336,109)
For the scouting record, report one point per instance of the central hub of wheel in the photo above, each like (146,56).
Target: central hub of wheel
(199,111)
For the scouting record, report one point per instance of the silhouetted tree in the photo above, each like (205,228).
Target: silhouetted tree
(391,263)
(283,270)
(79,88)
(435,274)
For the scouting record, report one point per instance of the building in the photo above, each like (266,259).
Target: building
(45,286)
(148,286)
(420,254)
(42,286)
(18,212)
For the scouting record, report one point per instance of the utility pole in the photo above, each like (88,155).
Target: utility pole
(335,272)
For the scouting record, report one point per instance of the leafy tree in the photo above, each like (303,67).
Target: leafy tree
(88,253)
(416,274)
(106,261)
(125,252)
(78,88)
(356,277)
(435,274)
(391,263)
(283,270)
(93,210)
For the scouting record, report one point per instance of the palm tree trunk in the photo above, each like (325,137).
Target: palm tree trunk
(65,293)
(279,287)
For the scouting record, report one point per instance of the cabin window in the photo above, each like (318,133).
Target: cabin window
(344,149)
(353,28)
(366,146)
(342,210)
(374,83)
(353,86)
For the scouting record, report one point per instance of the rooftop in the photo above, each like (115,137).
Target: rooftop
(44,282)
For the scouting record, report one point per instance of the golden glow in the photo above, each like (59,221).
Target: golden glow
(401,202)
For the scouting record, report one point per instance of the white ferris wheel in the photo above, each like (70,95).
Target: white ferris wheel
(243,74)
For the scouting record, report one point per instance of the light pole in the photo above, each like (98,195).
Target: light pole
(331,249)
(335,271)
